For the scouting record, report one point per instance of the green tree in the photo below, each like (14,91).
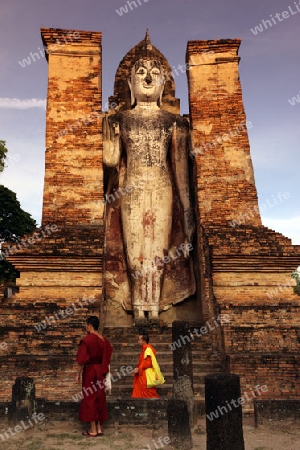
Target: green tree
(296,276)
(3,151)
(14,223)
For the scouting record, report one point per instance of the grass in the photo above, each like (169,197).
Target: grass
(74,437)
(35,445)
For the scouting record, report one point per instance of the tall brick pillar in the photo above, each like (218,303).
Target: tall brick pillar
(244,268)
(60,265)
(73,186)
(225,186)
(223,174)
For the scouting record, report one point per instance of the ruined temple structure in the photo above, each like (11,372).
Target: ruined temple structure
(77,267)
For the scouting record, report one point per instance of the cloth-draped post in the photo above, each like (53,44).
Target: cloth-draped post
(140,389)
(94,354)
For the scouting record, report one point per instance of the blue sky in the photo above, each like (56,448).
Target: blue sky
(269,73)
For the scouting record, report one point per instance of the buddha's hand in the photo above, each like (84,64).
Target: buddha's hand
(189,228)
(111,141)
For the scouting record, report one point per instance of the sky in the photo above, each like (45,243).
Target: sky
(269,74)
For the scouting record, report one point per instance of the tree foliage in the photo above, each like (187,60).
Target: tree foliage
(3,151)
(14,223)
(296,276)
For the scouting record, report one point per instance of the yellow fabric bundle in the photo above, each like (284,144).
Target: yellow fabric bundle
(153,374)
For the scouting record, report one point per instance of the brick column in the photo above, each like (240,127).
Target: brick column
(225,186)
(73,186)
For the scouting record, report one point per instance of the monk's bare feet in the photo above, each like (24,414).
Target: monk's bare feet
(99,431)
(89,434)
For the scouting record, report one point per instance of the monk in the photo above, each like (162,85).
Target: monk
(140,389)
(93,358)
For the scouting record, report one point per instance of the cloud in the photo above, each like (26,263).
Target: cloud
(16,103)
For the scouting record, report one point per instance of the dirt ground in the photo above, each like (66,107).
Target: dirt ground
(67,436)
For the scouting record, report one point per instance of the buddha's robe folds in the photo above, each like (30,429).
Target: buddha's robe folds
(150,155)
(94,353)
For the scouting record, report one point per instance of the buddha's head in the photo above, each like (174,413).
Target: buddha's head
(147,81)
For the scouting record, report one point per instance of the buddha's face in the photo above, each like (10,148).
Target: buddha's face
(147,81)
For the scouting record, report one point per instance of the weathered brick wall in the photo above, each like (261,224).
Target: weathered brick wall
(49,357)
(262,343)
(60,286)
(224,178)
(252,284)
(244,268)
(61,264)
(73,187)
(64,265)
(278,371)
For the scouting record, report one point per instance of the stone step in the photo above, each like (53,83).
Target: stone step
(132,358)
(128,380)
(166,352)
(160,347)
(208,355)
(126,352)
(167,367)
(131,334)
(163,391)
(160,342)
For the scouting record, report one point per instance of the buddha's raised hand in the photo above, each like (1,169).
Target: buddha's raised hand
(111,141)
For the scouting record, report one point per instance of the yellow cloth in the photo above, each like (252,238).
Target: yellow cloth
(153,374)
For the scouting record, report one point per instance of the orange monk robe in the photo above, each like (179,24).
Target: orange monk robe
(140,389)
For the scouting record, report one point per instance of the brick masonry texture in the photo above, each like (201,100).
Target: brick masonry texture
(73,187)
(63,270)
(223,171)
(244,268)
